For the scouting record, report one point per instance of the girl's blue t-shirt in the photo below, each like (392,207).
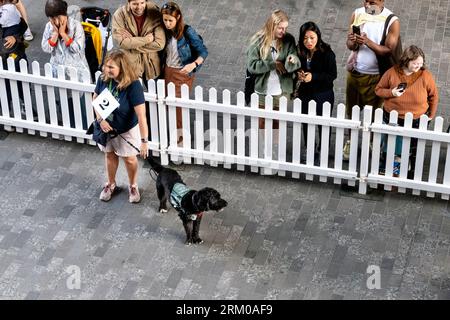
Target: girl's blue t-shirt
(124,118)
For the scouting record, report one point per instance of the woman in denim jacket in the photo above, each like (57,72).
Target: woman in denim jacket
(184,52)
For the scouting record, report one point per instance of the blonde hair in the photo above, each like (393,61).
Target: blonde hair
(127,73)
(266,35)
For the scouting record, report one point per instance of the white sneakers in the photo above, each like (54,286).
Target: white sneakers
(135,196)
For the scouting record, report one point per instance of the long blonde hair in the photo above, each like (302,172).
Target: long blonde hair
(127,73)
(266,35)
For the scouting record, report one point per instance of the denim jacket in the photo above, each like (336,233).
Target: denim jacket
(189,42)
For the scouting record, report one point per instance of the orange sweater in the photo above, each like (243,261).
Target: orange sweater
(420,96)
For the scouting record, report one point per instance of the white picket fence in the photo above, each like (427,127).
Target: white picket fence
(227,133)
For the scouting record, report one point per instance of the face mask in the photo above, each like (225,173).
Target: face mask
(373,9)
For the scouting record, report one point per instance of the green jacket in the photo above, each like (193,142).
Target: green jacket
(262,67)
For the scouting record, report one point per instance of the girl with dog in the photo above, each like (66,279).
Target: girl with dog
(128,120)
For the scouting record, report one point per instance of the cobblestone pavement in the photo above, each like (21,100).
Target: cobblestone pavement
(279,238)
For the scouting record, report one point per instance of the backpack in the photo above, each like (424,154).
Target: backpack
(386,62)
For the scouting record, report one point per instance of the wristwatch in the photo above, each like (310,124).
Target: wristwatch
(144,140)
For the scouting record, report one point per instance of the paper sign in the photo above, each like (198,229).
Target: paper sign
(105,103)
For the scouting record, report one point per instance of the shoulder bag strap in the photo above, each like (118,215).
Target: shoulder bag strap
(386,24)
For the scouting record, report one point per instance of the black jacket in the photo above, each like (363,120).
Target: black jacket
(324,72)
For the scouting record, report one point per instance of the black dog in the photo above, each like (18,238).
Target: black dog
(190,204)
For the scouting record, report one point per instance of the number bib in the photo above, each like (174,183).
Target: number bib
(105,103)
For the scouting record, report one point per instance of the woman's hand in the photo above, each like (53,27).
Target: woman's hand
(279,66)
(188,68)
(62,27)
(150,37)
(292,59)
(105,126)
(126,34)
(55,24)
(9,42)
(307,77)
(397,92)
(144,150)
(304,76)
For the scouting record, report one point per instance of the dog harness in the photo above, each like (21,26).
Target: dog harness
(179,190)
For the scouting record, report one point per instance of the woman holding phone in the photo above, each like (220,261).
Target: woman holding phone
(409,87)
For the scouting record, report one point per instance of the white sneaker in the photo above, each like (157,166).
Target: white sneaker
(135,196)
(28,36)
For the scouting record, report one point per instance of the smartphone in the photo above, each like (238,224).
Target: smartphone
(356,30)
(402,86)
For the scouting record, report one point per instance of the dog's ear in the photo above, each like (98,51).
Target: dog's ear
(201,198)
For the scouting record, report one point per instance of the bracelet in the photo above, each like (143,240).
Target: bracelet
(196,64)
(144,140)
(51,43)
(99,119)
(69,42)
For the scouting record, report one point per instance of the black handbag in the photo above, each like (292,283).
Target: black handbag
(249,86)
(98,135)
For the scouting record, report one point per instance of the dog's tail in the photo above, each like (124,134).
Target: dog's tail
(155,166)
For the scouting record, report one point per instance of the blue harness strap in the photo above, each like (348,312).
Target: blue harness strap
(179,190)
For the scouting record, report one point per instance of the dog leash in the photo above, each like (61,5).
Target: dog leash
(135,148)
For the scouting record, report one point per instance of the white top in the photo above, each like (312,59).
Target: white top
(372,25)
(9,15)
(173,59)
(273,83)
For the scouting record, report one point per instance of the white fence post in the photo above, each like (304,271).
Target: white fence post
(254,132)
(420,155)
(435,151)
(186,130)
(173,130)
(153,118)
(162,113)
(63,102)
(51,100)
(240,132)
(282,136)
(338,156)
(14,93)
(4,98)
(268,122)
(356,111)
(39,97)
(325,140)
(297,138)
(376,147)
(446,181)
(311,141)
(27,95)
(227,132)
(390,152)
(406,143)
(73,76)
(365,149)
(213,129)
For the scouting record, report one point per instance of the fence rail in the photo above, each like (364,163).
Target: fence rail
(228,133)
